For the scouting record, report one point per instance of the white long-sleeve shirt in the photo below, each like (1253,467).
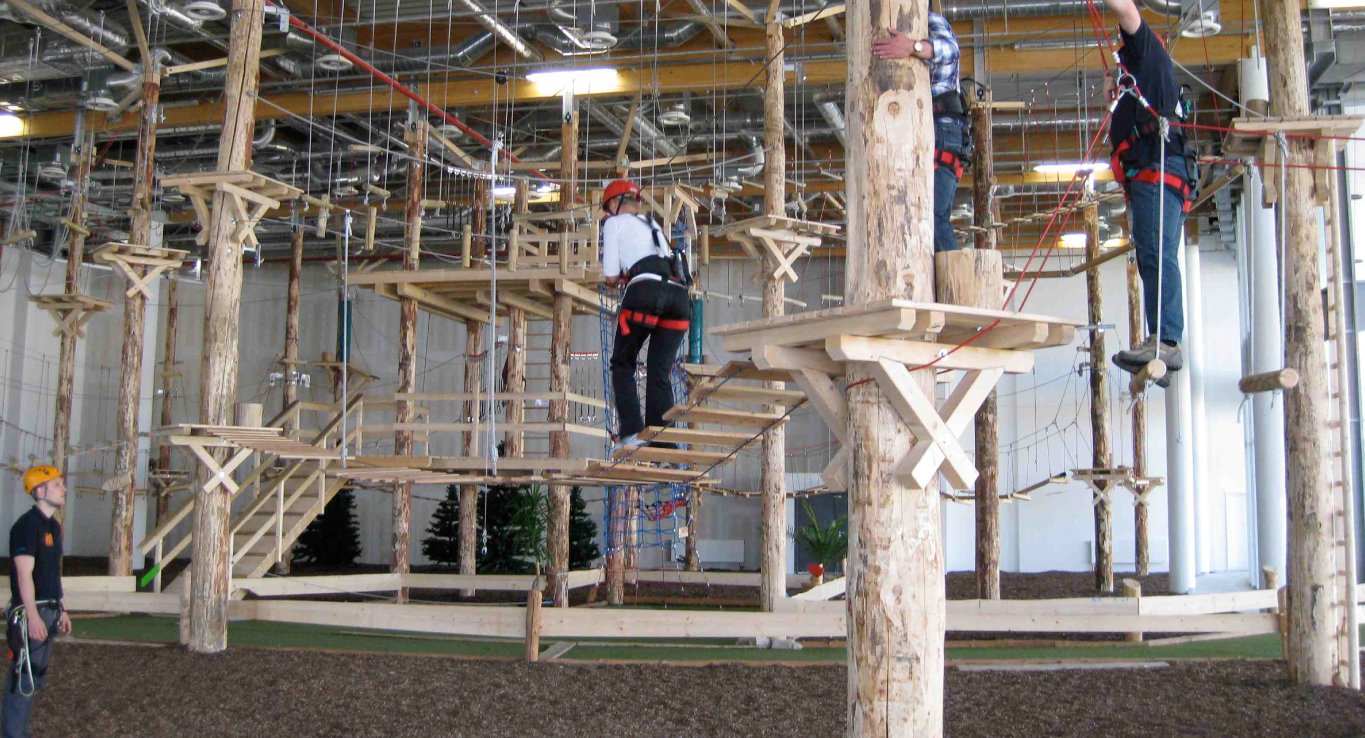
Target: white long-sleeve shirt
(626,239)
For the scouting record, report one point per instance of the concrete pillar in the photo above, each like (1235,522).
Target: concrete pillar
(1193,344)
(1180,485)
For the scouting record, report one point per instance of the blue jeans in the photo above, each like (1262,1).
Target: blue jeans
(17,709)
(1147,203)
(947,137)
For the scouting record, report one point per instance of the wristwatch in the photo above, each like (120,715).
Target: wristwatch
(919,46)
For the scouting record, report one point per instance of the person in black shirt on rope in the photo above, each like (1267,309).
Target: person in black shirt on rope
(35,616)
(1159,188)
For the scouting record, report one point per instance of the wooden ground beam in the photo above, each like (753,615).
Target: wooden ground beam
(210,569)
(134,322)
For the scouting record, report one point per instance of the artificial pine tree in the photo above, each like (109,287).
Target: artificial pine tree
(442,545)
(332,540)
(504,551)
(582,533)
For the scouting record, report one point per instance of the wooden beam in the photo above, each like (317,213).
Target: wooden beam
(1101,457)
(561,340)
(773,462)
(986,213)
(212,63)
(210,570)
(134,322)
(1315,614)
(1141,553)
(895,600)
(416,134)
(51,23)
(135,20)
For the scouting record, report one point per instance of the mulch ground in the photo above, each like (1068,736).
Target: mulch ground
(106,690)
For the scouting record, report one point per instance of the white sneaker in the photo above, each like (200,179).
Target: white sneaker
(1142,354)
(630,441)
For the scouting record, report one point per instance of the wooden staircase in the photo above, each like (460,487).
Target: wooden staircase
(288,490)
(708,434)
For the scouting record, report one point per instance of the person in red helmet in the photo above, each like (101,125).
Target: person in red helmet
(636,256)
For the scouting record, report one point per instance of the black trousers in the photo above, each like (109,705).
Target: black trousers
(650,311)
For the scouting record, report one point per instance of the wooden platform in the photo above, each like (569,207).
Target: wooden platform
(465,294)
(71,312)
(892,339)
(249,195)
(264,439)
(1249,134)
(776,241)
(130,258)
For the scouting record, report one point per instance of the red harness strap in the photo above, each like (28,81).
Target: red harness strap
(1116,161)
(626,317)
(948,159)
(1153,177)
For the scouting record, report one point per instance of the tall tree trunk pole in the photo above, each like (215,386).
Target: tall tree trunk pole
(473,383)
(1101,458)
(293,290)
(1141,554)
(773,464)
(168,376)
(896,589)
(416,137)
(134,325)
(561,340)
(211,571)
(988,417)
(83,157)
(1314,611)
(513,446)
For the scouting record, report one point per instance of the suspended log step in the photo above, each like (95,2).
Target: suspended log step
(1281,379)
(752,395)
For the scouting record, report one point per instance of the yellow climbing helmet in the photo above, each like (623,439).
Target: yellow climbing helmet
(37,476)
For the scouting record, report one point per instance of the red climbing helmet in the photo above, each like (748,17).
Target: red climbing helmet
(618,189)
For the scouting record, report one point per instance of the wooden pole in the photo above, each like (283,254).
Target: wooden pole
(1314,611)
(82,156)
(218,366)
(416,137)
(1142,554)
(1132,588)
(474,356)
(1100,456)
(561,340)
(516,349)
(615,564)
(533,618)
(975,278)
(895,576)
(773,463)
(134,325)
(168,376)
(291,355)
(987,424)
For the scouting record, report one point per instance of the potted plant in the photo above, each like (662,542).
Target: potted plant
(825,543)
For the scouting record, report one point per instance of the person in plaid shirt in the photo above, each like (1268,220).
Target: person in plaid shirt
(942,54)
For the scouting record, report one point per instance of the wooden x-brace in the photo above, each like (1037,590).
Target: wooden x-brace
(936,430)
(782,249)
(140,282)
(219,476)
(73,320)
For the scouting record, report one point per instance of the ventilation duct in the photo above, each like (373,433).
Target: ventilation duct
(756,155)
(647,36)
(592,27)
(503,31)
(465,53)
(829,110)
(972,9)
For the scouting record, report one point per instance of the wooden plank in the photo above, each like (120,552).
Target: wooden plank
(719,416)
(688,457)
(431,277)
(916,354)
(737,370)
(753,395)
(697,437)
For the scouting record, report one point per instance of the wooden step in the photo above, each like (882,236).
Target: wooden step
(756,395)
(718,416)
(729,440)
(671,455)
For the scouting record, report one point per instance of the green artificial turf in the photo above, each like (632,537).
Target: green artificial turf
(287,635)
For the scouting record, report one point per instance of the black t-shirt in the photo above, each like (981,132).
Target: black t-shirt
(35,534)
(1147,59)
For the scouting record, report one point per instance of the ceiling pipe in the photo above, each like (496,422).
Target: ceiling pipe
(829,110)
(503,31)
(971,10)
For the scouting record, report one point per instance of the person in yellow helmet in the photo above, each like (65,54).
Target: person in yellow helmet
(35,615)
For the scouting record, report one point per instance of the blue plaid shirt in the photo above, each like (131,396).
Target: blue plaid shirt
(943,68)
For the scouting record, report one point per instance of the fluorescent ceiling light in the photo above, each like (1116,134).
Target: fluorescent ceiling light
(12,125)
(505,191)
(1065,167)
(1335,4)
(581,80)
(1073,240)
